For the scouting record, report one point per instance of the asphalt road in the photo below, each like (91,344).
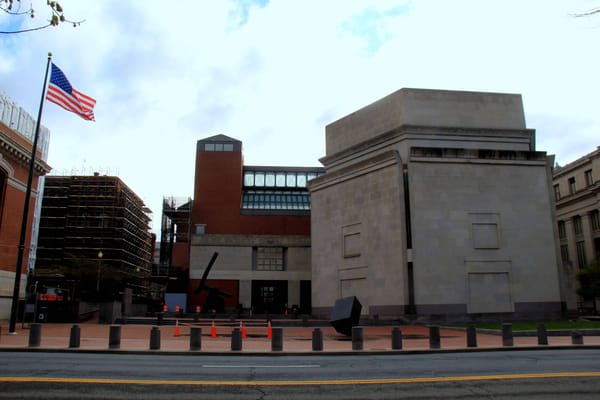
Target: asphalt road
(544,374)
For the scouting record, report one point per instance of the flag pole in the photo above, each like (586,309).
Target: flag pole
(19,266)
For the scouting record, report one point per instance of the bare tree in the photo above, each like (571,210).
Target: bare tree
(588,12)
(13,7)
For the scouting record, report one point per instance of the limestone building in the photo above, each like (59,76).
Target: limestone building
(436,204)
(577,194)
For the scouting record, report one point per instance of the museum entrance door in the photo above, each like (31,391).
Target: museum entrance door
(269,297)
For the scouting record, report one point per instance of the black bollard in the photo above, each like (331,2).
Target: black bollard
(277,339)
(576,338)
(195,338)
(317,340)
(35,335)
(507,335)
(471,336)
(236,339)
(114,337)
(75,337)
(155,338)
(542,335)
(357,338)
(434,337)
(396,339)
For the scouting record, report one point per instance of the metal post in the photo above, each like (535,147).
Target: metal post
(277,339)
(195,338)
(317,340)
(471,336)
(114,337)
(155,338)
(507,335)
(434,337)
(35,335)
(542,335)
(75,337)
(396,339)
(576,338)
(357,338)
(236,339)
(23,235)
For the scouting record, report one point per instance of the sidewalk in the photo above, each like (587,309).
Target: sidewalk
(136,338)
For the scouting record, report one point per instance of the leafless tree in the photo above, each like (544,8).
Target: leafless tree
(13,8)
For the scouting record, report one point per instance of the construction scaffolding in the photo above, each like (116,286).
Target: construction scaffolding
(175,233)
(96,230)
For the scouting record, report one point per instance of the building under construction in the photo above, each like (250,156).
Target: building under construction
(173,267)
(95,234)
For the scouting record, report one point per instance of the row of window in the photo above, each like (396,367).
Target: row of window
(278,179)
(589,181)
(275,200)
(218,146)
(580,252)
(578,225)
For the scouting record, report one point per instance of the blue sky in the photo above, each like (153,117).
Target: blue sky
(273,73)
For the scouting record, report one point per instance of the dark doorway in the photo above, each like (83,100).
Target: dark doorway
(269,297)
(305,297)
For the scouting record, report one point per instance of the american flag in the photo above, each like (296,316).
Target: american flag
(62,93)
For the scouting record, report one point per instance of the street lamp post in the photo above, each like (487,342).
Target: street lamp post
(100,255)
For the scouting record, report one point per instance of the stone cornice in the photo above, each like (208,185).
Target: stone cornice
(17,152)
(421,132)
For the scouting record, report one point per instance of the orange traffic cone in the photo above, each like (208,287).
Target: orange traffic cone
(165,308)
(243,329)
(269,331)
(213,330)
(176,333)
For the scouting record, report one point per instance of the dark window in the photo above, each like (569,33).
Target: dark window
(581,259)
(572,186)
(562,230)
(269,258)
(589,179)
(556,192)
(564,253)
(577,225)
(595,218)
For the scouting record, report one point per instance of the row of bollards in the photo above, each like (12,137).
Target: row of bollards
(114,340)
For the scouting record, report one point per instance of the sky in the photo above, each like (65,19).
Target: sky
(274,73)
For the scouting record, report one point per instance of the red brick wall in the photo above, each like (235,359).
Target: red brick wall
(217,200)
(12,207)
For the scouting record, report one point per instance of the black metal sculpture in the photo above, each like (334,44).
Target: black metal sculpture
(214,299)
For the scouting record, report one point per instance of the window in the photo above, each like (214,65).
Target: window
(557,192)
(572,186)
(562,230)
(269,258)
(581,260)
(564,253)
(589,179)
(218,146)
(595,218)
(577,225)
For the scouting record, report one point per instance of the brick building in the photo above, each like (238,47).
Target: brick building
(17,129)
(257,218)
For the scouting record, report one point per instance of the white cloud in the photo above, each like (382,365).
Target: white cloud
(273,74)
